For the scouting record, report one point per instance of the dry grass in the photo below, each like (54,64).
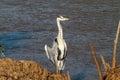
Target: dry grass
(111,72)
(26,70)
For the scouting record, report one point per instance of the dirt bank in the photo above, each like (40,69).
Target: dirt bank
(26,70)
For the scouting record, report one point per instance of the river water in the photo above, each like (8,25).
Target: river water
(27,25)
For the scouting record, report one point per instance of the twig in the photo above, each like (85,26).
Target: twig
(103,62)
(96,61)
(115,47)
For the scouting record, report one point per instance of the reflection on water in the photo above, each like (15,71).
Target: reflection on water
(27,25)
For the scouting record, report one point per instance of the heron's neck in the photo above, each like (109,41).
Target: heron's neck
(60,31)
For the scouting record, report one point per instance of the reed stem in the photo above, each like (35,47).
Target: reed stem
(96,61)
(115,47)
(103,62)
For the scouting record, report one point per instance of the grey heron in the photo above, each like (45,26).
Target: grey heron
(57,53)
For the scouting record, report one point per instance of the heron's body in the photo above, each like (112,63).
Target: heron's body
(53,57)
(62,48)
(57,53)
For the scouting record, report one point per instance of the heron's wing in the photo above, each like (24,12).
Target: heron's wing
(65,45)
(65,50)
(55,44)
(55,49)
(50,53)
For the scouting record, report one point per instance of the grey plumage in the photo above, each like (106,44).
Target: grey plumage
(52,55)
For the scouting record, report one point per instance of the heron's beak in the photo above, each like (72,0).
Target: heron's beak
(67,18)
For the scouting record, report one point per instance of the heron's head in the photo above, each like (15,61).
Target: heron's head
(61,18)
